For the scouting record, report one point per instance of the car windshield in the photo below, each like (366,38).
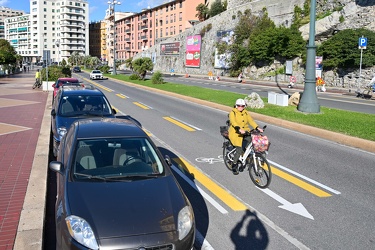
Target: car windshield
(74,105)
(119,159)
(96,71)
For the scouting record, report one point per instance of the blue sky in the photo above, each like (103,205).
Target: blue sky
(97,7)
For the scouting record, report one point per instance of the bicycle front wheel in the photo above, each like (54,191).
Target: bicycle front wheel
(262,176)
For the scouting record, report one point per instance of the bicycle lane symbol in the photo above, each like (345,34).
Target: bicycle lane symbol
(210,160)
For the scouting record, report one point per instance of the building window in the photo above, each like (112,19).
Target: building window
(180,16)
(180,4)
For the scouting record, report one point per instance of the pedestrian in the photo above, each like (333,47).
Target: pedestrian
(24,69)
(240,77)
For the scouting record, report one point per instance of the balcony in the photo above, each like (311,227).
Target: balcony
(127,40)
(127,31)
(144,38)
(127,22)
(144,17)
(144,27)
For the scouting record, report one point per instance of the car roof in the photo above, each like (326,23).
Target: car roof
(77,90)
(68,79)
(107,128)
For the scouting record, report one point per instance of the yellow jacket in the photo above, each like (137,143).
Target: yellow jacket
(240,120)
(37,74)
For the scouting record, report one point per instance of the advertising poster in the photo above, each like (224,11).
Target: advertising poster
(193,51)
(170,49)
(222,60)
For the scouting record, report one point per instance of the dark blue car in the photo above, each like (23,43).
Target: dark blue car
(72,103)
(116,191)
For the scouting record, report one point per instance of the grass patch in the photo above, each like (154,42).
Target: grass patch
(355,124)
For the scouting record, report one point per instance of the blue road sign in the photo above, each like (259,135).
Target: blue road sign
(362,42)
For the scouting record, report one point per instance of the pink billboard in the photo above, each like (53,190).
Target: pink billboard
(193,51)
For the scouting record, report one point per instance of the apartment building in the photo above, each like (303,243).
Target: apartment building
(18,34)
(112,37)
(55,30)
(6,12)
(139,31)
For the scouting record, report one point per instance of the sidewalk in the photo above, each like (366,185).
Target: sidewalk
(21,114)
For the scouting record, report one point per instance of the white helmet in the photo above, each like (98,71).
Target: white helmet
(241,102)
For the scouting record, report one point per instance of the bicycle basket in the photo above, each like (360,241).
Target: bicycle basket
(224,131)
(260,143)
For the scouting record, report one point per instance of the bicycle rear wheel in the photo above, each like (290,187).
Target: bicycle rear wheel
(262,177)
(227,147)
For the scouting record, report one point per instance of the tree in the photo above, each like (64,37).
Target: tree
(142,65)
(202,12)
(341,50)
(8,55)
(216,8)
(128,63)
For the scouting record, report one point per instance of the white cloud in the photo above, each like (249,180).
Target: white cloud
(3,2)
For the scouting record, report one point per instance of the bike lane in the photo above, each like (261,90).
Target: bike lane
(21,113)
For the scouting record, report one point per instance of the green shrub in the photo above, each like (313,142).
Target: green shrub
(157,78)
(134,77)
(54,73)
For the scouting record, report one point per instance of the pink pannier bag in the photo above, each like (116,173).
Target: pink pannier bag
(260,143)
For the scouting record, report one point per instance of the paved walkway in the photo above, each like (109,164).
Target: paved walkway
(21,113)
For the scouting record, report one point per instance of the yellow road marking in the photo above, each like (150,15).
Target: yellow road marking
(221,193)
(179,124)
(141,105)
(100,86)
(121,96)
(304,185)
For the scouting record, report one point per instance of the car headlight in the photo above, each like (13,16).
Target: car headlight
(185,222)
(61,131)
(81,231)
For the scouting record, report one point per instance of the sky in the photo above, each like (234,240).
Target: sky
(97,7)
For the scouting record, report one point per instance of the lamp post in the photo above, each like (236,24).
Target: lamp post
(113,3)
(57,43)
(309,100)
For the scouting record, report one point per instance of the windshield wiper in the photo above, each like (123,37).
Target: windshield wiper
(89,176)
(132,176)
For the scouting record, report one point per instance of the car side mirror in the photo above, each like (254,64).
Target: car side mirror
(53,112)
(56,166)
(53,85)
(114,111)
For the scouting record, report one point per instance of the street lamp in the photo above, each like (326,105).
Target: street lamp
(57,43)
(113,3)
(309,100)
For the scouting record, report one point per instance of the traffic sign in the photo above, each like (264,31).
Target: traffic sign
(362,42)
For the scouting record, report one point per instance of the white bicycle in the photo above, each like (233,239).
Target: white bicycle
(253,160)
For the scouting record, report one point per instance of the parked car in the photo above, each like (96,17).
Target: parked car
(72,103)
(96,74)
(76,69)
(115,191)
(65,82)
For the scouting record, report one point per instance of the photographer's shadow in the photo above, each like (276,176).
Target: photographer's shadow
(249,233)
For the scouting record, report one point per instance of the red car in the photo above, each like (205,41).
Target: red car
(65,82)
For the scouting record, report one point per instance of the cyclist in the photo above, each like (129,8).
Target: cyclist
(37,76)
(239,120)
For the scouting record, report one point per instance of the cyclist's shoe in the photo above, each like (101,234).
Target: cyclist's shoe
(235,169)
(241,168)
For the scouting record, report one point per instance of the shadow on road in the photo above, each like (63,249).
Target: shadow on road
(249,233)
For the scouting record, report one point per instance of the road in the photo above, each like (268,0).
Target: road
(321,195)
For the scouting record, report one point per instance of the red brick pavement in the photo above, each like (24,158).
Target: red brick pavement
(21,114)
